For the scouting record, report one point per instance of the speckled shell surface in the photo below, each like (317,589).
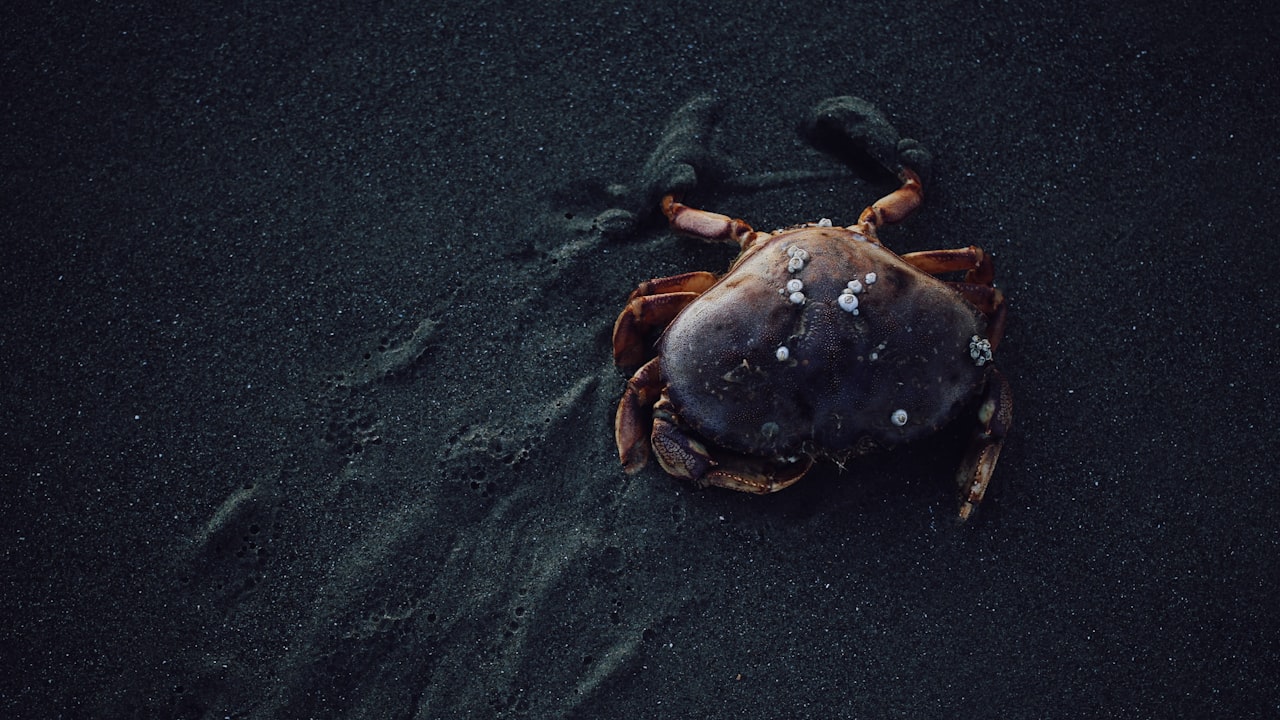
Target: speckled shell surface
(844,375)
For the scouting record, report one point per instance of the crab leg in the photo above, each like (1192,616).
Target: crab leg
(696,282)
(897,205)
(995,417)
(973,260)
(638,318)
(990,301)
(652,305)
(634,418)
(707,225)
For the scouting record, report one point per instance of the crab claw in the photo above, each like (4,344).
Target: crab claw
(756,476)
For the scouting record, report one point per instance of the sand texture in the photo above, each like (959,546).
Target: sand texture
(308,392)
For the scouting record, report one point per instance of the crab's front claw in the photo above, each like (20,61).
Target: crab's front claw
(995,417)
(756,476)
(686,457)
(678,453)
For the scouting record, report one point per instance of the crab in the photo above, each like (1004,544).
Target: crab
(818,342)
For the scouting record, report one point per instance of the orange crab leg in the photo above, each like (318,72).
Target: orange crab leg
(641,316)
(897,205)
(995,417)
(634,419)
(707,225)
(973,260)
(990,301)
(696,282)
(653,305)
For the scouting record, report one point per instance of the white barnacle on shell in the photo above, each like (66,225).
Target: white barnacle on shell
(795,285)
(980,350)
(824,222)
(899,417)
(797,298)
(783,353)
(870,278)
(854,286)
(848,302)
(797,256)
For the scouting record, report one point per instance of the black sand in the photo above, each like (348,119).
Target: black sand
(307,387)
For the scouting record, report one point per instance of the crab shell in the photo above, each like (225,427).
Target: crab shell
(766,366)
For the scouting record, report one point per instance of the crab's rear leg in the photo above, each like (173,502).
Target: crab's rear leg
(695,282)
(973,260)
(978,271)
(652,306)
(990,301)
(995,417)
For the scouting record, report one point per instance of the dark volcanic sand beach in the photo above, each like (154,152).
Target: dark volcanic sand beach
(308,390)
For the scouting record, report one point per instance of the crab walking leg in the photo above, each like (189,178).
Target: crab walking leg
(973,260)
(696,282)
(995,417)
(634,418)
(638,318)
(897,205)
(707,225)
(990,301)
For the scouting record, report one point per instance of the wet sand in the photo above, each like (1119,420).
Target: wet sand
(308,387)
